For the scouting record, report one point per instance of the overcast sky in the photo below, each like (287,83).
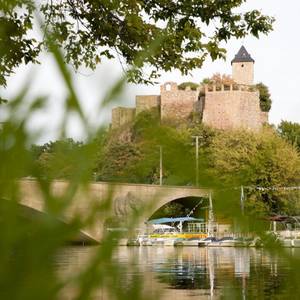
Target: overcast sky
(276,64)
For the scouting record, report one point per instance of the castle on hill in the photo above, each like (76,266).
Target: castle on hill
(222,106)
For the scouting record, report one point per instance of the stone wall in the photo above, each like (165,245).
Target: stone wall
(224,107)
(232,109)
(175,103)
(147,102)
(264,117)
(243,72)
(121,116)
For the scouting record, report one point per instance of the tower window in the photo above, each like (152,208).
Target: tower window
(242,65)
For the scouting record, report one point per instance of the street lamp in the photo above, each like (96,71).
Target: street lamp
(160,166)
(197,158)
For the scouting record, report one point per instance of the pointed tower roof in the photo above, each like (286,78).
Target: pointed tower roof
(242,56)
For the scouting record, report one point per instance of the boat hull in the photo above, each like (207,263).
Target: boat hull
(188,243)
(291,243)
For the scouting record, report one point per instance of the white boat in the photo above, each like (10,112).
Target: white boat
(193,242)
(166,235)
(247,242)
(296,243)
(144,240)
(133,242)
(205,242)
(162,235)
(157,241)
(223,242)
(290,243)
(169,242)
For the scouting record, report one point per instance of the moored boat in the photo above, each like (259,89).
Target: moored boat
(290,243)
(205,242)
(144,240)
(187,242)
(133,242)
(223,242)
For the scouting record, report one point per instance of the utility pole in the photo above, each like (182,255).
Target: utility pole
(160,166)
(210,229)
(197,158)
(242,199)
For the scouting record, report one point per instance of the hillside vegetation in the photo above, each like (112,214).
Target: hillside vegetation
(227,159)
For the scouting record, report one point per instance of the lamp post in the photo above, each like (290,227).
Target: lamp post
(210,229)
(160,166)
(197,158)
(242,199)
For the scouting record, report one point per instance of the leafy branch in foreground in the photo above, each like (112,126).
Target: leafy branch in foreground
(16,44)
(91,31)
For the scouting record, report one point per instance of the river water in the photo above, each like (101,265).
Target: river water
(189,273)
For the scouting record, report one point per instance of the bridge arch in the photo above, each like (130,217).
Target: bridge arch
(181,199)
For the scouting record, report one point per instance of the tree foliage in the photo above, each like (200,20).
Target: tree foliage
(219,79)
(235,158)
(192,85)
(291,132)
(16,44)
(57,159)
(264,97)
(258,160)
(141,165)
(118,157)
(90,31)
(170,210)
(227,159)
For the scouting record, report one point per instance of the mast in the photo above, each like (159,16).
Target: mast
(210,229)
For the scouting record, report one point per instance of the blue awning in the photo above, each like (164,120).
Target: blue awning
(172,220)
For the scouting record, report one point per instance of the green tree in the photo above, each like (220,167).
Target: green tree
(258,160)
(171,209)
(291,132)
(57,159)
(117,159)
(144,122)
(90,31)
(192,85)
(137,160)
(16,45)
(264,97)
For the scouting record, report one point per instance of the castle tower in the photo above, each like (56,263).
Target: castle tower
(243,67)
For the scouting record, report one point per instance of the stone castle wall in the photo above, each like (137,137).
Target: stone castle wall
(223,107)
(175,103)
(121,116)
(243,73)
(231,109)
(264,117)
(147,102)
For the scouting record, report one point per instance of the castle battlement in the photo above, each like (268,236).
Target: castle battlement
(212,88)
(173,87)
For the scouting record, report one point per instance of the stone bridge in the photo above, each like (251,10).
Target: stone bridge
(114,200)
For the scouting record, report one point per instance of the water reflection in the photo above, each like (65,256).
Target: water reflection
(183,273)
